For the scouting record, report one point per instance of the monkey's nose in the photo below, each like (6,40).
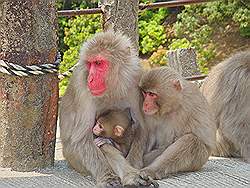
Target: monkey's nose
(90,79)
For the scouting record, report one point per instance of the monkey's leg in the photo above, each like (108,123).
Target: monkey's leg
(188,153)
(240,140)
(128,174)
(224,148)
(246,151)
(230,143)
(86,156)
(149,157)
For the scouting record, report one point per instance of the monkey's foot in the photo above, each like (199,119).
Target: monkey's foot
(136,179)
(247,160)
(110,183)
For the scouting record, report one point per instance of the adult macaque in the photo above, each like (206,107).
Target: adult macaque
(227,90)
(115,125)
(106,78)
(179,123)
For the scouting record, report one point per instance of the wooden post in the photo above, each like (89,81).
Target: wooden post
(184,61)
(122,15)
(28,105)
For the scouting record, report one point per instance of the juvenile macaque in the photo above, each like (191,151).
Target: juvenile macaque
(115,125)
(181,127)
(227,90)
(106,78)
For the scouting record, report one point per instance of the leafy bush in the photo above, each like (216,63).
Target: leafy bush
(197,23)
(151,32)
(179,43)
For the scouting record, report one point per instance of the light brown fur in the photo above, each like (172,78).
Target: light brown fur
(78,110)
(183,128)
(227,90)
(123,119)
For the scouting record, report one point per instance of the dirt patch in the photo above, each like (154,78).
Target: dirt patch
(228,41)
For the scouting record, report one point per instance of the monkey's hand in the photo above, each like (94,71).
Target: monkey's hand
(138,179)
(99,141)
(150,173)
(109,181)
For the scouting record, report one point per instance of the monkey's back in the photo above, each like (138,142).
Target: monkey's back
(227,90)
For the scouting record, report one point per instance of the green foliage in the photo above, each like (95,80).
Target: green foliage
(63,21)
(179,43)
(197,23)
(81,28)
(151,32)
(242,16)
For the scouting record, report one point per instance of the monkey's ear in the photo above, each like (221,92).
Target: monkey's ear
(118,130)
(177,85)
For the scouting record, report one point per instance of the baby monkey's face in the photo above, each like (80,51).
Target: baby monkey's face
(108,129)
(112,124)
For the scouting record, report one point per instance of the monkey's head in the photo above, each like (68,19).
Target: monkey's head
(112,124)
(110,63)
(162,91)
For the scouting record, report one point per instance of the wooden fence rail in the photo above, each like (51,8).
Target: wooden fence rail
(150,6)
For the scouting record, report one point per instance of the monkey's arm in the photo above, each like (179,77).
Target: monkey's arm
(86,156)
(188,153)
(77,139)
(138,146)
(128,174)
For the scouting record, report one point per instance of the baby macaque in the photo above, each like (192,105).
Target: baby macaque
(115,125)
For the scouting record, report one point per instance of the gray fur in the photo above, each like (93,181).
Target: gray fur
(78,110)
(183,125)
(227,90)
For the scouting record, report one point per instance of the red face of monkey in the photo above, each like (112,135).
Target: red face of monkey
(154,101)
(97,67)
(149,105)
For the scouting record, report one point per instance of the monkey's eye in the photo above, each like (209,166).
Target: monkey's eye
(88,65)
(97,62)
(151,94)
(100,125)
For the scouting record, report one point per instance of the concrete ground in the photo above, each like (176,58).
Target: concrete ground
(218,172)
